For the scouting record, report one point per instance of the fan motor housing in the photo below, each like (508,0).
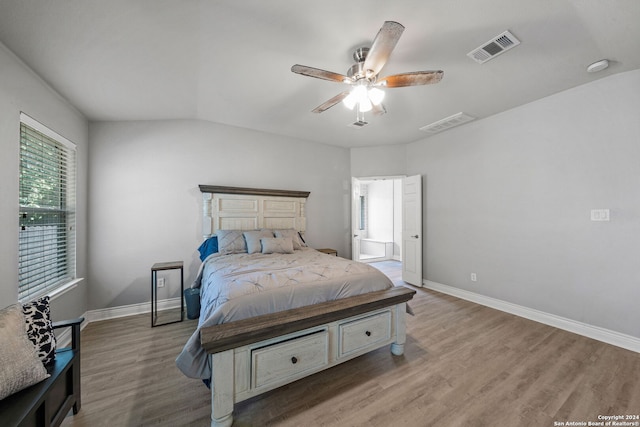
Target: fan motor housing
(357,72)
(360,54)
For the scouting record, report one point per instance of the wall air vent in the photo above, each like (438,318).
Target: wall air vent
(447,123)
(493,48)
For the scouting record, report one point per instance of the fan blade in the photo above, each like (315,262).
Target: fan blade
(330,103)
(378,110)
(320,74)
(382,46)
(415,78)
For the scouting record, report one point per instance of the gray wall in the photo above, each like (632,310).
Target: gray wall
(22,90)
(509,198)
(388,160)
(145,205)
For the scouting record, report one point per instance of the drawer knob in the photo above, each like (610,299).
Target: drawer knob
(294,360)
(368,333)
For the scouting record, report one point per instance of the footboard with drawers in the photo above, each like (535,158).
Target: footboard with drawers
(252,356)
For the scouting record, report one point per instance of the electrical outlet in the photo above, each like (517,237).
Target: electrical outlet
(474,277)
(161,282)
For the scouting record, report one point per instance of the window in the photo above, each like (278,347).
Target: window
(363,208)
(46,248)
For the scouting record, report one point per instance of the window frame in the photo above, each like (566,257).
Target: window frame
(363,213)
(58,259)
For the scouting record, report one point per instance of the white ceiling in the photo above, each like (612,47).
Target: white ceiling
(228,61)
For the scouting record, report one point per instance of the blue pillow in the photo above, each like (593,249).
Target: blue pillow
(208,247)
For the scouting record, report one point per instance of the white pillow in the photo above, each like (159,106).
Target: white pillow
(292,234)
(253,239)
(231,242)
(20,365)
(277,245)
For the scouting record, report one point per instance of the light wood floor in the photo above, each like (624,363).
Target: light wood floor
(464,365)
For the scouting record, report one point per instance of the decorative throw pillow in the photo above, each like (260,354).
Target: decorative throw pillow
(277,245)
(37,315)
(231,242)
(253,239)
(291,234)
(20,366)
(208,247)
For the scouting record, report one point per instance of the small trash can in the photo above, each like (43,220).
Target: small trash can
(192,298)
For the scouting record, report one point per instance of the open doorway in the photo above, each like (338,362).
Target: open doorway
(378,214)
(387,223)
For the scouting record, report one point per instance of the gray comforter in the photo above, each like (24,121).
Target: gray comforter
(239,286)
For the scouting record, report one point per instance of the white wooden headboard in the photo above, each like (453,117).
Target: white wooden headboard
(237,208)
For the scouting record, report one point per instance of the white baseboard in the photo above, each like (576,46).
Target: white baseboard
(130,310)
(597,333)
(64,338)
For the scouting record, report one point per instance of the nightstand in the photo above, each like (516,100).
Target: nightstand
(328,251)
(174,265)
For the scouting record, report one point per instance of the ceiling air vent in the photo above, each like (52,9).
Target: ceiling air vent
(493,48)
(359,124)
(447,123)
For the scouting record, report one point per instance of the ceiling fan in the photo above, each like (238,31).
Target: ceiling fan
(366,94)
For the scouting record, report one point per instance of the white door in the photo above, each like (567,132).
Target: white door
(412,230)
(356,212)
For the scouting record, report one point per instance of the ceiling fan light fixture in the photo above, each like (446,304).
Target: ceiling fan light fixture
(360,93)
(365,105)
(360,96)
(363,75)
(350,101)
(376,96)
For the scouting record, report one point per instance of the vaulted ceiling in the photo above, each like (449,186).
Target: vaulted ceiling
(229,61)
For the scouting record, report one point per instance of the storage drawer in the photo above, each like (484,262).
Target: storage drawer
(281,362)
(363,333)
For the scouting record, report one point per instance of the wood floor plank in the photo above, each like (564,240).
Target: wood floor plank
(464,365)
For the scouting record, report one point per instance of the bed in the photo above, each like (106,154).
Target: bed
(274,310)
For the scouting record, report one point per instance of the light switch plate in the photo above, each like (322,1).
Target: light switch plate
(599,214)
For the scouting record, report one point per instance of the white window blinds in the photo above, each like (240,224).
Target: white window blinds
(46,250)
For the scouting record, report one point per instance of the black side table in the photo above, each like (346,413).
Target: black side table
(173,265)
